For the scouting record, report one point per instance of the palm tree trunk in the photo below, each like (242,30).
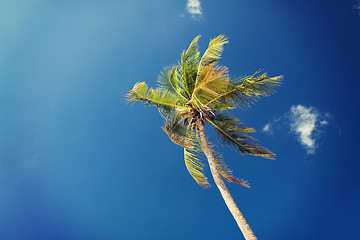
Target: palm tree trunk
(229,201)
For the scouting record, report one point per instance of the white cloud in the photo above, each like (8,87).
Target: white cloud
(303,122)
(271,127)
(267,128)
(194,8)
(324,122)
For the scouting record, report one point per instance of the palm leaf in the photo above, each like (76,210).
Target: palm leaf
(250,89)
(195,166)
(213,81)
(192,157)
(232,133)
(169,80)
(224,171)
(159,97)
(188,67)
(193,163)
(178,133)
(213,52)
(246,90)
(227,174)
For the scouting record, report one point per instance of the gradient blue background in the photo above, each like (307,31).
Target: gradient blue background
(78,162)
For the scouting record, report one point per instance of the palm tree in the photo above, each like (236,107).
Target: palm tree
(199,91)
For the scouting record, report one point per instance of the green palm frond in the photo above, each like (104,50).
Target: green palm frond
(159,97)
(195,166)
(169,80)
(192,157)
(182,136)
(178,133)
(213,53)
(231,124)
(213,81)
(250,89)
(192,51)
(246,90)
(188,67)
(232,133)
(223,169)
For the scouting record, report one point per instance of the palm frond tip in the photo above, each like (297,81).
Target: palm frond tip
(177,132)
(188,67)
(158,97)
(195,166)
(247,90)
(213,52)
(224,171)
(232,134)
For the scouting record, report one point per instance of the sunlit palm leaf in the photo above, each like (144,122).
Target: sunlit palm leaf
(195,166)
(250,89)
(180,135)
(188,67)
(169,80)
(192,51)
(213,53)
(159,97)
(246,90)
(192,157)
(213,81)
(232,133)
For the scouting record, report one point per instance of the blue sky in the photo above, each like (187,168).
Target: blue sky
(78,162)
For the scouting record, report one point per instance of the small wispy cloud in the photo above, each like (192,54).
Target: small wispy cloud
(304,122)
(194,8)
(267,128)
